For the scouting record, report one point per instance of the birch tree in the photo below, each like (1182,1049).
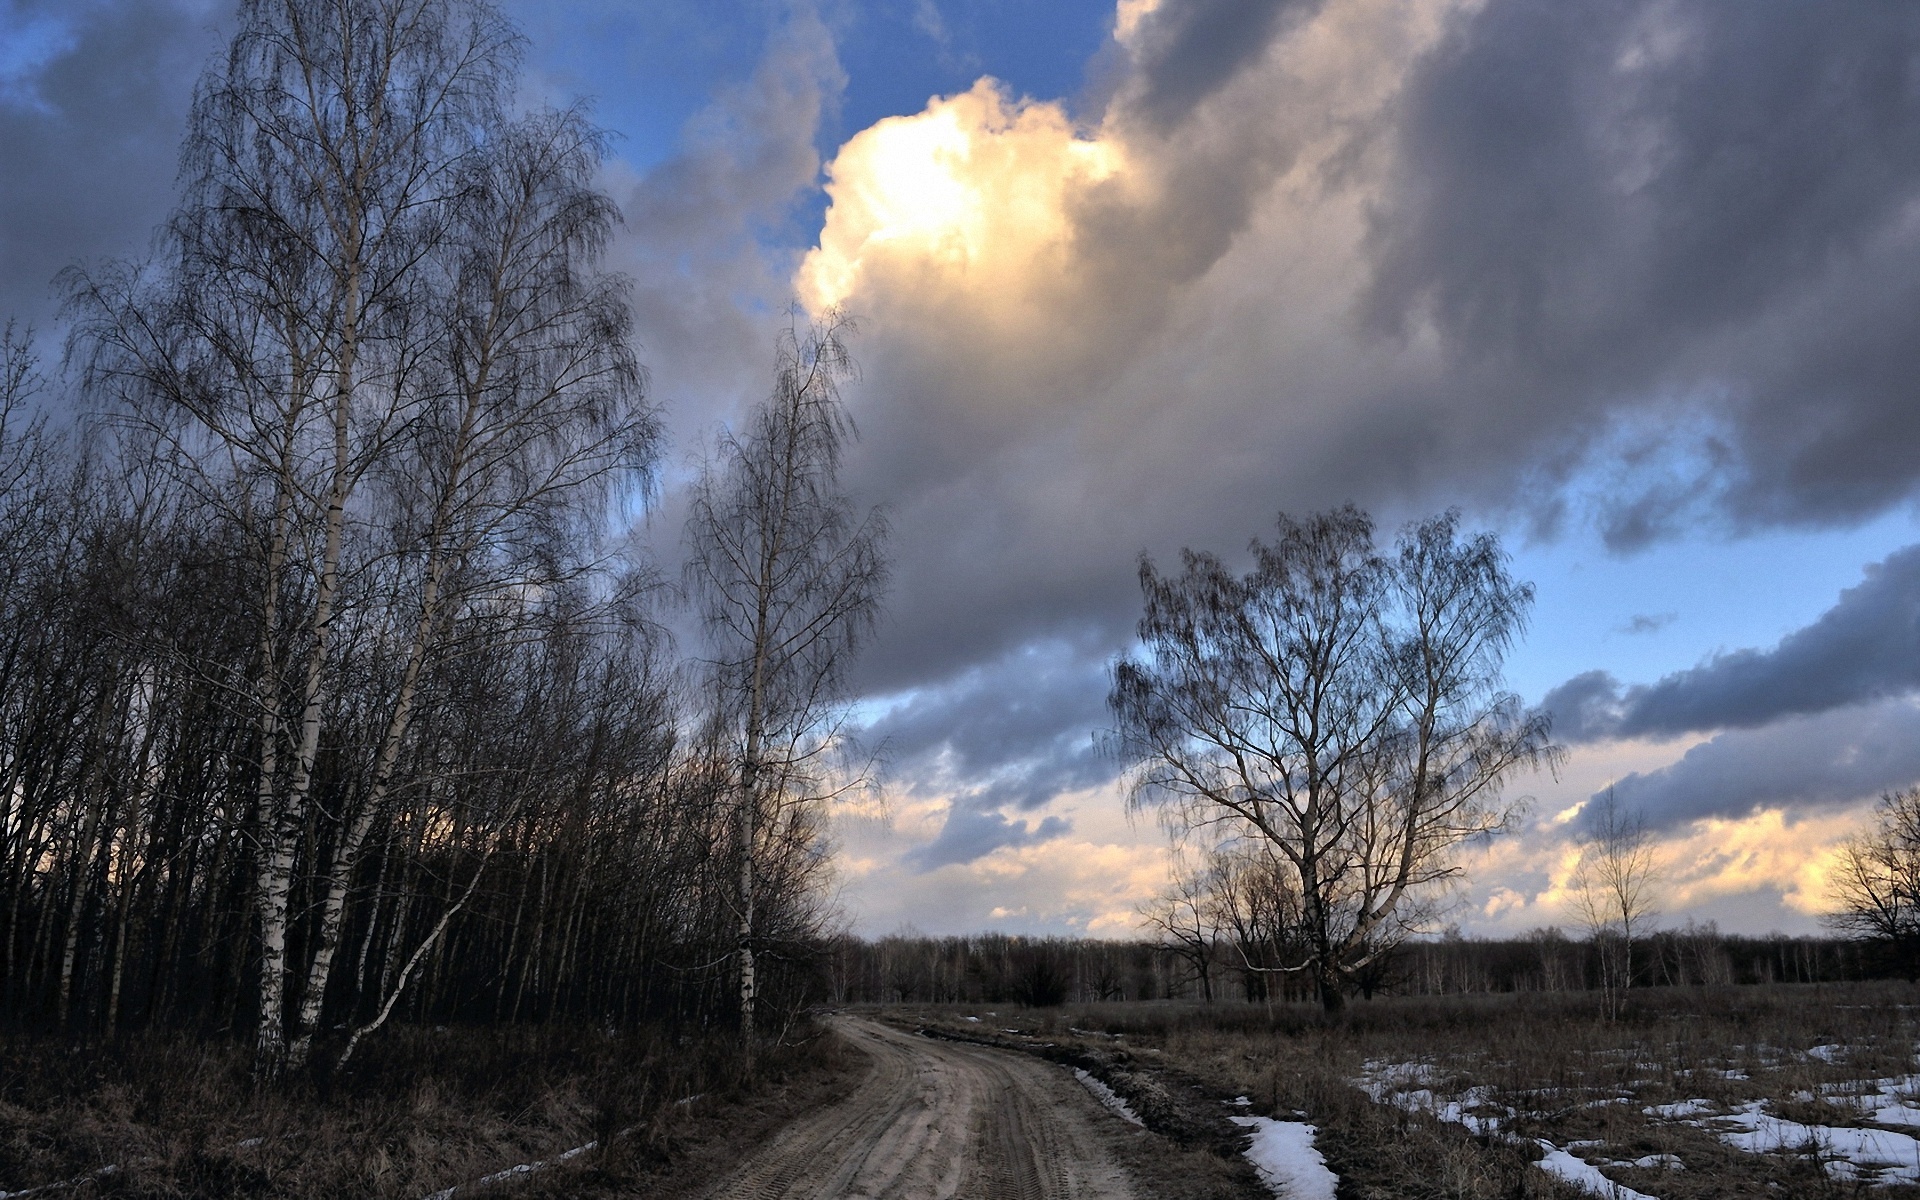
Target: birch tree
(789,577)
(1614,886)
(377,344)
(1341,706)
(530,412)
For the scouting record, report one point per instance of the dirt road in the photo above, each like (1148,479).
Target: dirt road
(937,1119)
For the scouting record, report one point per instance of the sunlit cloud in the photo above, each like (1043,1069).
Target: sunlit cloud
(1090,881)
(1768,851)
(974,195)
(1311,266)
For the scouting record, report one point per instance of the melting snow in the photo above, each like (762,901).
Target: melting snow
(1388,1083)
(1883,1101)
(1847,1153)
(1106,1096)
(512,1172)
(1588,1179)
(1887,1152)
(1680,1109)
(1282,1152)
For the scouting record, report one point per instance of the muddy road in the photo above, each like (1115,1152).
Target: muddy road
(935,1119)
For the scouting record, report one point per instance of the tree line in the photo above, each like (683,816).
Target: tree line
(328,691)
(1046,971)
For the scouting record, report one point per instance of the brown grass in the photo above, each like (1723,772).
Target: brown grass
(428,1109)
(1573,1076)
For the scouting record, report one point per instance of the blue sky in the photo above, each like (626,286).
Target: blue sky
(1633,283)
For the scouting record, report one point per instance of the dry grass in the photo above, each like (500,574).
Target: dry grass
(427,1110)
(1548,1065)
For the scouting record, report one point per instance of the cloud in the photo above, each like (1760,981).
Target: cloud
(1596,204)
(709,291)
(93,99)
(1403,254)
(1019,730)
(1053,377)
(969,834)
(1753,869)
(1866,647)
(1798,764)
(1585,708)
(1648,623)
(1088,879)
(1186,52)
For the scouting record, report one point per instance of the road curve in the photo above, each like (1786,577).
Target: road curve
(935,1120)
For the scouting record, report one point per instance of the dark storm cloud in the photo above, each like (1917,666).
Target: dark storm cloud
(1802,764)
(1191,48)
(1585,708)
(1688,221)
(1866,647)
(1604,201)
(970,834)
(1014,734)
(1039,704)
(90,136)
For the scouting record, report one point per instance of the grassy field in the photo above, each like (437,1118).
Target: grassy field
(1784,1090)
(429,1110)
(1778,1090)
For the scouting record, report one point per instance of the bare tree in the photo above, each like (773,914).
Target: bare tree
(1184,915)
(1615,886)
(1342,707)
(789,577)
(1254,902)
(377,345)
(531,414)
(1875,886)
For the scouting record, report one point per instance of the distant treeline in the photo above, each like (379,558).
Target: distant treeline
(1002,969)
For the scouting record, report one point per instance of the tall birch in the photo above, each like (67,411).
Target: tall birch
(789,576)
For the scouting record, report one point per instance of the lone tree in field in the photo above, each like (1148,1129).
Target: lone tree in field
(789,577)
(1876,884)
(1614,887)
(1343,706)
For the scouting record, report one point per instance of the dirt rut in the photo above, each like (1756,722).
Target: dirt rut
(937,1119)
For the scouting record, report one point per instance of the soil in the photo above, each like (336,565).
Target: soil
(937,1118)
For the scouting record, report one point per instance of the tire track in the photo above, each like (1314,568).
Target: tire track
(941,1121)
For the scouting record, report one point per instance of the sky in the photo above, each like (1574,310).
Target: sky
(1632,283)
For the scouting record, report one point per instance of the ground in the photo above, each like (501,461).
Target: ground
(1697,1094)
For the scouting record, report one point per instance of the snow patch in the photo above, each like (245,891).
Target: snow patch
(1845,1152)
(1410,1086)
(1284,1155)
(513,1172)
(1107,1096)
(1680,1109)
(1558,1162)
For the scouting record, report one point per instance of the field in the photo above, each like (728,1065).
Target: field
(430,1109)
(1788,1090)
